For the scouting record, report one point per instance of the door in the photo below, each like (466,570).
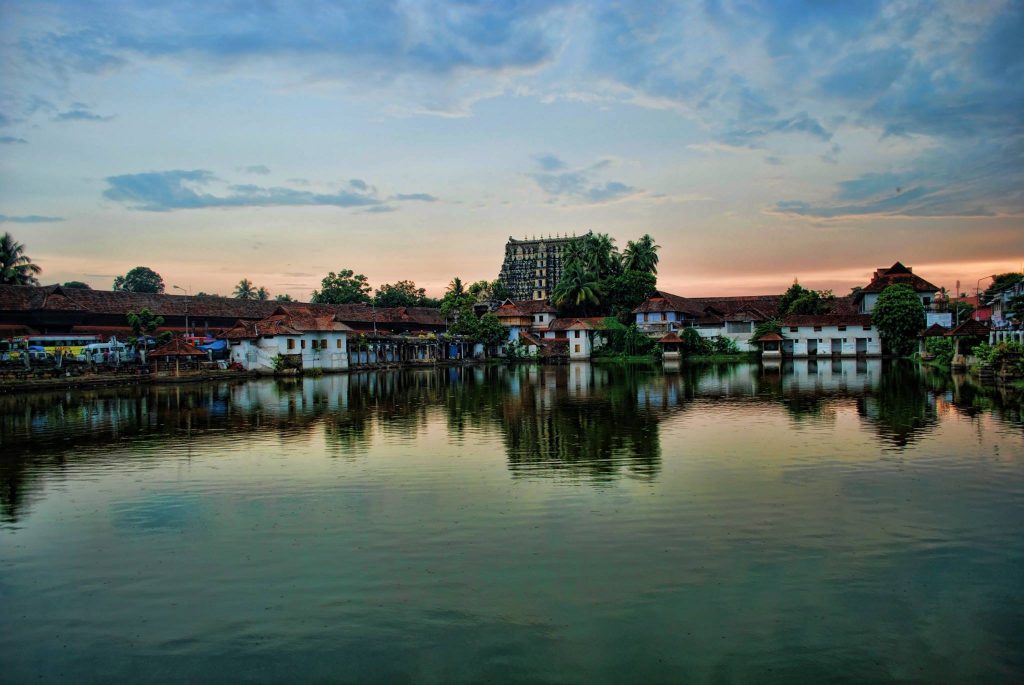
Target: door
(837,346)
(862,345)
(812,346)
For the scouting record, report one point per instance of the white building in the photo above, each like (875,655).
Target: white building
(291,338)
(897,274)
(584,334)
(825,335)
(712,317)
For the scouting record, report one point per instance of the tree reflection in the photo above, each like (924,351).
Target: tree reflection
(582,422)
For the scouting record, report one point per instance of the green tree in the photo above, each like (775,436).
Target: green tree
(641,255)
(401,294)
(489,331)
(141,279)
(76,284)
(245,290)
(627,291)
(262,294)
(788,297)
(800,300)
(283,297)
(899,317)
(577,289)
(457,303)
(144,323)
(16,268)
(1000,281)
(344,287)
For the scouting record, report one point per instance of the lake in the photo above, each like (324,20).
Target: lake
(826,522)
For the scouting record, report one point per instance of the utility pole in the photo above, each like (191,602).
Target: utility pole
(188,293)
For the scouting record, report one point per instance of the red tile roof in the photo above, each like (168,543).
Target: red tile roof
(288,320)
(590,323)
(669,339)
(897,274)
(970,327)
(827,320)
(177,347)
(934,331)
(770,336)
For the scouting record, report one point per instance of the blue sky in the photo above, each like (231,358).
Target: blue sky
(756,141)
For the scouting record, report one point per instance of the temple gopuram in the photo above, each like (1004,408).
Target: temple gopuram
(533,266)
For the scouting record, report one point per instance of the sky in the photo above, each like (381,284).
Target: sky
(757,142)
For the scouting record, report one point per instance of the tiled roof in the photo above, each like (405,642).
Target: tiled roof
(669,338)
(14,298)
(535,306)
(177,347)
(509,310)
(288,320)
(592,323)
(934,331)
(970,327)
(770,336)
(897,274)
(827,320)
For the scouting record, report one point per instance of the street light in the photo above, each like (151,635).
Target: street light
(189,294)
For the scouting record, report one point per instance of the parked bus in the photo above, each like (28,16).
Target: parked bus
(67,345)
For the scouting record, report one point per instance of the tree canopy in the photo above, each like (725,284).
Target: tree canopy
(76,284)
(141,279)
(245,290)
(344,287)
(1001,281)
(16,268)
(144,323)
(899,317)
(400,294)
(800,300)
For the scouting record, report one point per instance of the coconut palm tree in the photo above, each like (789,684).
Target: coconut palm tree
(601,255)
(578,288)
(456,287)
(245,290)
(641,255)
(15,266)
(262,294)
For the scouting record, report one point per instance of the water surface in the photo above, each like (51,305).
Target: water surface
(827,522)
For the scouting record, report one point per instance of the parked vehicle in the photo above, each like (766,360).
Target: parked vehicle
(98,353)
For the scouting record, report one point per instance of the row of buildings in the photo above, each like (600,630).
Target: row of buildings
(271,335)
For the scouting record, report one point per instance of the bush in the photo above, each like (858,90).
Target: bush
(941,349)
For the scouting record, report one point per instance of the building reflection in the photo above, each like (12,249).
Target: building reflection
(580,422)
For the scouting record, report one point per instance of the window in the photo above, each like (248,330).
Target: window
(842,328)
(867,328)
(817,329)
(302,343)
(337,343)
(577,348)
(291,343)
(794,329)
(576,334)
(927,301)
(323,344)
(737,326)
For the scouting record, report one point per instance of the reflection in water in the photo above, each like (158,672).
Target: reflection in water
(820,521)
(595,422)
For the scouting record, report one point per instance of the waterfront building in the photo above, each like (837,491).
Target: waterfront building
(712,317)
(584,334)
(292,337)
(533,266)
(830,335)
(897,274)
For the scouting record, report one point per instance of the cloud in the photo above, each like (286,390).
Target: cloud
(81,113)
(258,169)
(414,197)
(163,191)
(11,140)
(580,186)
(30,219)
(550,162)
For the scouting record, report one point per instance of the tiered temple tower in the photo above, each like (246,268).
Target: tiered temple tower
(533,266)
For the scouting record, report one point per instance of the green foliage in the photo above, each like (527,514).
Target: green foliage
(141,279)
(489,331)
(621,339)
(1002,281)
(641,255)
(801,300)
(626,291)
(262,294)
(144,323)
(488,291)
(1015,308)
(766,327)
(76,284)
(457,304)
(693,344)
(283,298)
(899,317)
(245,290)
(400,294)
(15,267)
(344,287)
(278,362)
(997,354)
(578,290)
(164,338)
(941,349)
